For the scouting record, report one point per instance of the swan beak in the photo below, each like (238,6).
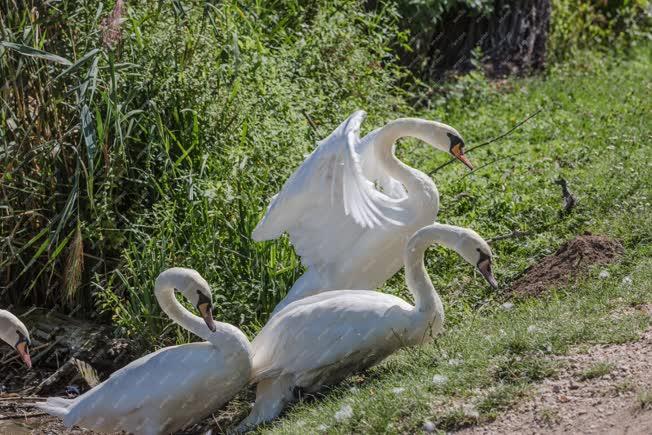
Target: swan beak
(205,310)
(485,270)
(23,351)
(458,153)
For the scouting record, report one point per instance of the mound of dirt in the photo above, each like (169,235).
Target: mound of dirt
(570,261)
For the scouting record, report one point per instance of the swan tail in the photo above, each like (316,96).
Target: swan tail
(271,397)
(57,407)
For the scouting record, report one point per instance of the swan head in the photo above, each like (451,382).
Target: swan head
(476,251)
(193,287)
(198,292)
(446,138)
(466,242)
(14,333)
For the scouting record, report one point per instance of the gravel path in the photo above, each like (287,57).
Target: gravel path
(610,401)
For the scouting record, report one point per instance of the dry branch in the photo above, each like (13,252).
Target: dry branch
(17,416)
(490,141)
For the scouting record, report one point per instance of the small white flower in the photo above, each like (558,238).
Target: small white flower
(439,379)
(398,390)
(470,411)
(507,306)
(429,426)
(627,280)
(354,390)
(322,428)
(344,413)
(533,329)
(455,362)
(604,274)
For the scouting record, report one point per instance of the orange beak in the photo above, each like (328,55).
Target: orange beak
(205,310)
(458,153)
(23,351)
(485,270)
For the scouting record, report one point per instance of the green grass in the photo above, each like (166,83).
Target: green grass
(596,370)
(595,132)
(645,399)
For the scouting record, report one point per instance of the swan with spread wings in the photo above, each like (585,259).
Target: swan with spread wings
(351,206)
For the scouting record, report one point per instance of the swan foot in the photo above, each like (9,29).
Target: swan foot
(271,397)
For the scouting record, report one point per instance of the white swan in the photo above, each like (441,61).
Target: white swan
(347,231)
(166,390)
(15,334)
(322,338)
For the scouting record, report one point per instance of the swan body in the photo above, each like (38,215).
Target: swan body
(351,200)
(175,386)
(15,334)
(321,339)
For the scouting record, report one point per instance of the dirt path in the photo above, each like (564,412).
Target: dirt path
(605,390)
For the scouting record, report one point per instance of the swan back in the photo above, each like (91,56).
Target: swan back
(324,329)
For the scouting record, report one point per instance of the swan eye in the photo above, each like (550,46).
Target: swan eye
(22,339)
(483,256)
(203,299)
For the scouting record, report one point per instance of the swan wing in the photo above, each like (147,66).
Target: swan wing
(328,204)
(334,328)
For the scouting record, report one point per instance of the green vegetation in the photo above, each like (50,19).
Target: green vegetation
(549,416)
(597,370)
(574,25)
(596,25)
(645,399)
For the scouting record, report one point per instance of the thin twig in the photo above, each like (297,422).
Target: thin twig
(15,356)
(310,121)
(491,163)
(495,139)
(21,398)
(541,228)
(512,235)
(17,416)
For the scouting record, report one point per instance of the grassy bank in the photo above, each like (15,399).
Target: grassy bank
(595,132)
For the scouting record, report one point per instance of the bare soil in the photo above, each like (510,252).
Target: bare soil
(603,403)
(571,261)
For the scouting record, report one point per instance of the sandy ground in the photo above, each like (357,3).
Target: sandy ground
(608,404)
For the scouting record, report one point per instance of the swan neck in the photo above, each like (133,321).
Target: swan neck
(164,292)
(414,127)
(386,138)
(427,300)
